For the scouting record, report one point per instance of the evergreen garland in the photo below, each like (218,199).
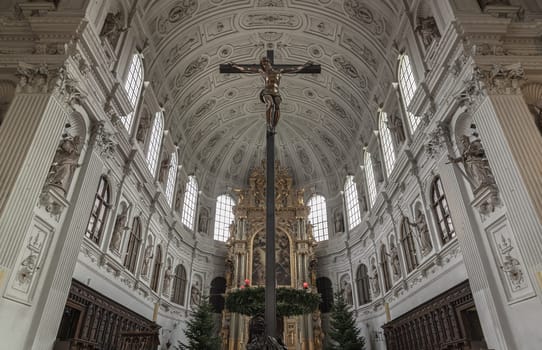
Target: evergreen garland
(343,331)
(250,301)
(200,329)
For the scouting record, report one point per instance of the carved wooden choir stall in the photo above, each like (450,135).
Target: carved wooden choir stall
(295,260)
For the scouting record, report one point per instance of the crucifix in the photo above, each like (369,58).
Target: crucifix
(270,95)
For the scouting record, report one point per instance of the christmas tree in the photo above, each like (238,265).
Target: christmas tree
(343,331)
(200,329)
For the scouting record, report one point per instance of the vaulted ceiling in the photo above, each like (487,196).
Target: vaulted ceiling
(217,119)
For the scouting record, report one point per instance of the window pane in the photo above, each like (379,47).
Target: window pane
(408,87)
(370,178)
(155,142)
(132,85)
(318,217)
(223,217)
(171,178)
(190,201)
(387,144)
(352,202)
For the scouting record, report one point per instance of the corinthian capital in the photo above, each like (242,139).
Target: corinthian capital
(502,79)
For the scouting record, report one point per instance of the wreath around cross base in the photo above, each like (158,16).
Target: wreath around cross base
(250,301)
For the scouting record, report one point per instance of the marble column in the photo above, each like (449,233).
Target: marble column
(52,300)
(484,289)
(513,147)
(29,137)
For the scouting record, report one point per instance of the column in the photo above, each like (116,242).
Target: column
(484,288)
(29,137)
(52,300)
(512,143)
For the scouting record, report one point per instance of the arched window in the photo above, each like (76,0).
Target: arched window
(408,86)
(134,242)
(179,285)
(318,217)
(325,288)
(223,217)
(409,248)
(387,144)
(362,279)
(216,294)
(155,279)
(385,268)
(132,85)
(441,211)
(190,201)
(370,178)
(99,212)
(351,201)
(171,178)
(155,142)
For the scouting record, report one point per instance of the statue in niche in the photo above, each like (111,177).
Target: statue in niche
(317,330)
(395,264)
(112,28)
(147,257)
(309,231)
(423,232)
(167,279)
(195,295)
(164,169)
(144,125)
(202,220)
(375,284)
(64,163)
(232,229)
(395,125)
(339,221)
(347,292)
(428,30)
(476,165)
(259,194)
(258,260)
(313,265)
(118,230)
(301,197)
(281,192)
(179,198)
(229,271)
(283,260)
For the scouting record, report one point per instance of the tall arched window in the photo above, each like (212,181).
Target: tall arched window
(351,201)
(216,294)
(179,285)
(134,242)
(318,217)
(325,288)
(408,86)
(190,202)
(223,217)
(155,142)
(171,178)
(441,211)
(132,85)
(370,178)
(409,248)
(155,279)
(99,212)
(385,267)
(387,144)
(362,281)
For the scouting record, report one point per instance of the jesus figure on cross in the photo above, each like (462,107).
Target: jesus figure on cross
(270,94)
